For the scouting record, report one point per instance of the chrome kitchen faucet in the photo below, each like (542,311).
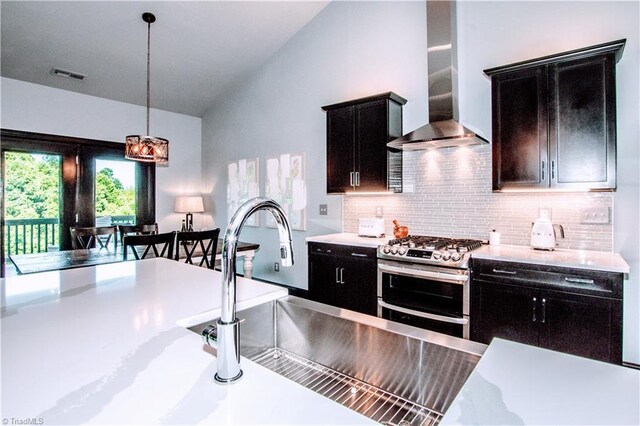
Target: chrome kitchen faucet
(227,330)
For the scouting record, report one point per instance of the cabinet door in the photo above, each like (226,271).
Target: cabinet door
(506,311)
(581,325)
(357,289)
(372,136)
(582,126)
(340,149)
(520,121)
(323,279)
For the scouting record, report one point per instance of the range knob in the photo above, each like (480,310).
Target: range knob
(386,249)
(446,255)
(402,250)
(456,256)
(394,250)
(436,255)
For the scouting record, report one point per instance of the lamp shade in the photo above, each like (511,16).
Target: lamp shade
(188,204)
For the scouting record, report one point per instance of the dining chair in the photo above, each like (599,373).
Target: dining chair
(152,245)
(89,237)
(196,244)
(137,230)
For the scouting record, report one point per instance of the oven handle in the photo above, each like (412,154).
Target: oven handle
(440,276)
(462,321)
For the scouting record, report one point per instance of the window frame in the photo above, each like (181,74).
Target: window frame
(77,207)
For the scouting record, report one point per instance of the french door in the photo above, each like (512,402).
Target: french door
(74,161)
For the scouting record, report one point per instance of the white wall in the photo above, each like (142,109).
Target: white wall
(350,50)
(41,109)
(499,33)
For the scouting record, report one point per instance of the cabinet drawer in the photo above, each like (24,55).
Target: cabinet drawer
(356,252)
(572,280)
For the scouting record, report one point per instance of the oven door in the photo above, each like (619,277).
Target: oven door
(429,297)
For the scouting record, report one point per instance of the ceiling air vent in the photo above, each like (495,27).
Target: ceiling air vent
(67,74)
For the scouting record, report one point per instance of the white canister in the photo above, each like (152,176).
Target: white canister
(494,238)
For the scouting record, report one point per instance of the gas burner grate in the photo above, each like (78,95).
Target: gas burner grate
(461,245)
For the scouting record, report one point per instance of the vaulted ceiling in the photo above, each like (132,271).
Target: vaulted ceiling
(198,49)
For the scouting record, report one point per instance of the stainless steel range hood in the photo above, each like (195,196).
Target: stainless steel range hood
(443,130)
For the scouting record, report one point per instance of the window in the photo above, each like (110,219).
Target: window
(81,162)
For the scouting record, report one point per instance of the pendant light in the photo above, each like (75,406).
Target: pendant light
(144,147)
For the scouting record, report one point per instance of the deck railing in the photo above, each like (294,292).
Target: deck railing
(26,236)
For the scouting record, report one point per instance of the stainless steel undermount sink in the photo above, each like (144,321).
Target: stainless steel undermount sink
(392,373)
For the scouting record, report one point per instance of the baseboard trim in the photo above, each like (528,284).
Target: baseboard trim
(631,365)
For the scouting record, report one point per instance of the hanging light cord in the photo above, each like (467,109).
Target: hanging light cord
(148,72)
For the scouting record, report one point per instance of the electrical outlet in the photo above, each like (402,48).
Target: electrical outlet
(379,211)
(544,212)
(595,215)
(323,210)
(276,267)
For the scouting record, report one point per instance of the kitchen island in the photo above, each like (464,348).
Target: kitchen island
(107,344)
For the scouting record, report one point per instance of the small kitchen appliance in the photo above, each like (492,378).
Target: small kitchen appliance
(371,227)
(543,233)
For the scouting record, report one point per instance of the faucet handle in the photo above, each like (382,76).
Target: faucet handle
(210,334)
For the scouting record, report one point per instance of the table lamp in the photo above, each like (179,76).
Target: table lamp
(189,205)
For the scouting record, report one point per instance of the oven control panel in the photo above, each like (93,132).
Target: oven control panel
(421,254)
(434,257)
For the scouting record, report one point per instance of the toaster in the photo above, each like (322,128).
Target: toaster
(372,227)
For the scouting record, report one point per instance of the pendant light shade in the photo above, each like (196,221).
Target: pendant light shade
(143,147)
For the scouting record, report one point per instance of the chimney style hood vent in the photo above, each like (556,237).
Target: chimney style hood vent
(443,130)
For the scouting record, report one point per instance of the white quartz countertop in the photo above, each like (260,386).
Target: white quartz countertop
(104,345)
(581,259)
(348,239)
(516,384)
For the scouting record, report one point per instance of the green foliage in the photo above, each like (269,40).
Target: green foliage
(33,189)
(112,198)
(32,186)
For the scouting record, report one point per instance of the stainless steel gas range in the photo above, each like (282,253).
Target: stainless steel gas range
(424,282)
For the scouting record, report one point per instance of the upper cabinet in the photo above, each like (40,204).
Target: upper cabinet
(554,121)
(357,135)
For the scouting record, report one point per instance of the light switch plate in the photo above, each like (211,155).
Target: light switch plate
(595,216)
(323,210)
(379,211)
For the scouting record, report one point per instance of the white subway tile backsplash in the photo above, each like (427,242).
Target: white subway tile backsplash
(451,197)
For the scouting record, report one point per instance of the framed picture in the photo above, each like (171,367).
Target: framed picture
(243,183)
(286,183)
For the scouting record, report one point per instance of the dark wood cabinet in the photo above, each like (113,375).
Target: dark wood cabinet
(343,276)
(562,309)
(554,121)
(358,131)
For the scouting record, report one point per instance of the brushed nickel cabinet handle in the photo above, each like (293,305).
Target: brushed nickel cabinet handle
(544,310)
(359,255)
(351,179)
(337,276)
(579,280)
(533,318)
(341,275)
(543,170)
(502,271)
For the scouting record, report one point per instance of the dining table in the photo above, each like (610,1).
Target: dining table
(67,259)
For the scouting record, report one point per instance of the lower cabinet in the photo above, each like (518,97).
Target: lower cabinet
(562,309)
(343,276)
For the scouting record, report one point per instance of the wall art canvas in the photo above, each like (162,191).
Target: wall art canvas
(286,184)
(243,183)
